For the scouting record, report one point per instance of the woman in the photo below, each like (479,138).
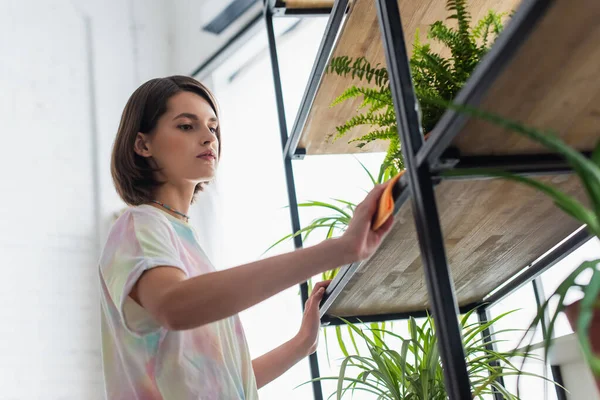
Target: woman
(170,328)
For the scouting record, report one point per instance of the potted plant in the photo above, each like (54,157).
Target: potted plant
(434,76)
(396,367)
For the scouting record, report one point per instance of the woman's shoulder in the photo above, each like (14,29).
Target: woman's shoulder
(135,222)
(136,219)
(143,212)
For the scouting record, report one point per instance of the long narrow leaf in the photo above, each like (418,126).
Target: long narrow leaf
(338,333)
(368,172)
(314,203)
(586,313)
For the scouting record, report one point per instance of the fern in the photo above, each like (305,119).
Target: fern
(376,98)
(385,134)
(491,23)
(381,120)
(436,79)
(360,68)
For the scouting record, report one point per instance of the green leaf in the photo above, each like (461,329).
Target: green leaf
(353,340)
(325,205)
(326,346)
(350,205)
(338,334)
(596,154)
(586,313)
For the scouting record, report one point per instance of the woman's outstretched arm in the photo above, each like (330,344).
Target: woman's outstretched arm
(178,303)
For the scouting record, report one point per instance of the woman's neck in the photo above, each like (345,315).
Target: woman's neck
(175,198)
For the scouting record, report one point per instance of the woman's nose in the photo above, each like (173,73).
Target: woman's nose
(208,136)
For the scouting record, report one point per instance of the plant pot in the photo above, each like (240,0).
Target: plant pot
(572,312)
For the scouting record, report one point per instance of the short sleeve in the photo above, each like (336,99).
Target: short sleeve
(137,242)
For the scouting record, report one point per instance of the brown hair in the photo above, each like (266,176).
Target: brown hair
(133,174)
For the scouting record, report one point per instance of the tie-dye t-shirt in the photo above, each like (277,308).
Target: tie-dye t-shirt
(143,360)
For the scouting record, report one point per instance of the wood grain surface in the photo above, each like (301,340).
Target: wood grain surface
(309,3)
(360,36)
(492,229)
(553,84)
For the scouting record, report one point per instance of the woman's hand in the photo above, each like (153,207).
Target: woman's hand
(359,239)
(308,336)
(276,362)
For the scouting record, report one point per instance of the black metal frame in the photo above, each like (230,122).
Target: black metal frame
(335,21)
(427,222)
(540,164)
(487,336)
(327,320)
(289,175)
(561,394)
(425,161)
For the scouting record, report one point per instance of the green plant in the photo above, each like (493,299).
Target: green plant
(335,224)
(588,171)
(409,368)
(341,212)
(434,76)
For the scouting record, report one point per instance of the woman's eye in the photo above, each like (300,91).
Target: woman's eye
(186,127)
(213,130)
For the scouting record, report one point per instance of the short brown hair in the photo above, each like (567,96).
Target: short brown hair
(132,174)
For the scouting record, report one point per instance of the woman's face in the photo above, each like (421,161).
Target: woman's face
(184,143)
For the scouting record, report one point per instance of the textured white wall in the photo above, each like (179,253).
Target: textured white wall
(66,70)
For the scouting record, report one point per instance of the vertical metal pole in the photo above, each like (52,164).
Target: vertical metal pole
(561,393)
(540,299)
(488,338)
(439,282)
(289,176)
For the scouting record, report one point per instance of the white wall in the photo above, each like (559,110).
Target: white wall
(66,70)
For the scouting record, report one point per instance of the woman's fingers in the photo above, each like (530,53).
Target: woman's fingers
(369,205)
(387,225)
(317,293)
(322,284)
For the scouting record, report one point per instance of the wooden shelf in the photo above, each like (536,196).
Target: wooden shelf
(551,83)
(295,4)
(542,72)
(492,229)
(360,36)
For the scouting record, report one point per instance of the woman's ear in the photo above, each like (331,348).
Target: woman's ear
(141,145)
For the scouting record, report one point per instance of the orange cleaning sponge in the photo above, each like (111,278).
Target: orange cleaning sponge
(385,208)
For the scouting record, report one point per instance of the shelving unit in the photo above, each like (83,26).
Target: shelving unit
(458,243)
(493,229)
